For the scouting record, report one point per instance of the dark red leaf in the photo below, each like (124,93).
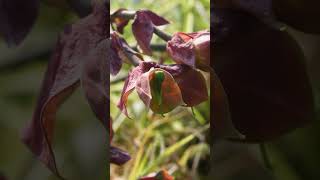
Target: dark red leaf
(192,49)
(264,75)
(156,20)
(95,80)
(16,19)
(75,46)
(128,87)
(192,93)
(221,123)
(142,28)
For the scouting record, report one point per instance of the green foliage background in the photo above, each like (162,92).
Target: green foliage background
(176,142)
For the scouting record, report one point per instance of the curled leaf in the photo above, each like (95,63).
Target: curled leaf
(192,93)
(121,52)
(264,75)
(75,46)
(95,80)
(221,123)
(120,22)
(192,49)
(142,28)
(128,87)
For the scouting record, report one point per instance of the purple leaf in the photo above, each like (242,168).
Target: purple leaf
(16,19)
(95,81)
(143,27)
(76,45)
(128,87)
(192,49)
(118,156)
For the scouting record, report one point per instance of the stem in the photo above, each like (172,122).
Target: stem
(129,14)
(163,35)
(265,156)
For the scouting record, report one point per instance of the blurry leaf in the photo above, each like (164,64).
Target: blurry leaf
(264,76)
(16,19)
(95,80)
(257,8)
(221,124)
(76,45)
(118,156)
(300,14)
(162,175)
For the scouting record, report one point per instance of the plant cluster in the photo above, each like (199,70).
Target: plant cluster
(161,87)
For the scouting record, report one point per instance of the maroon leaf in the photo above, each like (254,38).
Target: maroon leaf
(192,49)
(264,76)
(130,83)
(142,28)
(192,93)
(75,46)
(221,123)
(129,86)
(180,51)
(16,19)
(95,80)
